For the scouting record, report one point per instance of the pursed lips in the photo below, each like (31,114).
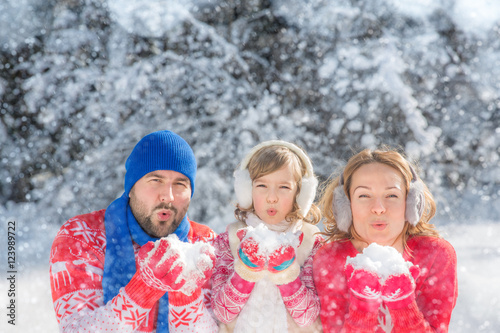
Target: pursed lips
(164,214)
(271,211)
(379,225)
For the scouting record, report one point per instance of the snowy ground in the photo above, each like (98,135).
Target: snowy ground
(477,310)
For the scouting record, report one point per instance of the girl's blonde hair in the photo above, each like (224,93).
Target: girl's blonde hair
(391,158)
(269,159)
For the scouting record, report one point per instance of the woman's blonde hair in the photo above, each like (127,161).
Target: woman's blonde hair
(270,159)
(391,158)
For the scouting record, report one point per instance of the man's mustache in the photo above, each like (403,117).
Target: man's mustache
(166,206)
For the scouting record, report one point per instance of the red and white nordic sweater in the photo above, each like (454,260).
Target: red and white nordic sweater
(76,271)
(436,290)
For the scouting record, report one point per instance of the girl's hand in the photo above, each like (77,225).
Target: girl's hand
(282,258)
(282,263)
(248,253)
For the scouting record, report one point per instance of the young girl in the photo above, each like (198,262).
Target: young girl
(262,280)
(378,200)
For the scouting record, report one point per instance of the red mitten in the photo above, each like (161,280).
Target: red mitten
(158,266)
(364,288)
(248,252)
(197,276)
(283,266)
(398,291)
(283,257)
(206,263)
(250,264)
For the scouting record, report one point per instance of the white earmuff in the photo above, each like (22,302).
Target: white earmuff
(243,188)
(243,183)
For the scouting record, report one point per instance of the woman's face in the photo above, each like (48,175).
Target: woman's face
(378,203)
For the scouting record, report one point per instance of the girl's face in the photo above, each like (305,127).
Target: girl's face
(273,195)
(378,203)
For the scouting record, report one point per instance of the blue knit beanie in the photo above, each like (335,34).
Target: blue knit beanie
(162,150)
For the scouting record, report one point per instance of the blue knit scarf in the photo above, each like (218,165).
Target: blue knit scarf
(119,264)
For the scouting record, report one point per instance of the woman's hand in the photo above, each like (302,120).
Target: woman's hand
(364,287)
(399,290)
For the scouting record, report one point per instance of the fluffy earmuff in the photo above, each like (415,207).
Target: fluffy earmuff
(243,183)
(415,203)
(243,188)
(341,206)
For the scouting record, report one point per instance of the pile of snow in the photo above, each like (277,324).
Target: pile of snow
(194,258)
(269,240)
(382,260)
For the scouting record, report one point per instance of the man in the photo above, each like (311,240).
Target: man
(96,286)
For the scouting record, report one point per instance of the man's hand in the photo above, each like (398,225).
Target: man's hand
(197,276)
(159,266)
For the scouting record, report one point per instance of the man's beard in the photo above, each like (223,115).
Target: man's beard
(162,228)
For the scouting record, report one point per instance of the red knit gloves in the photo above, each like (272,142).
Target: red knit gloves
(398,291)
(380,274)
(282,263)
(158,266)
(364,288)
(252,261)
(169,265)
(283,257)
(262,252)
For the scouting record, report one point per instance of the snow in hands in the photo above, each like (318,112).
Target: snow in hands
(195,259)
(381,260)
(396,277)
(269,241)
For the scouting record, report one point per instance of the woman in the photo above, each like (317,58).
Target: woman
(378,198)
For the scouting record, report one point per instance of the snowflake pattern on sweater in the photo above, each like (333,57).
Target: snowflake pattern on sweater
(76,271)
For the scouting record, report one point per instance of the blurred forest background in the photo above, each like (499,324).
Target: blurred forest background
(81,81)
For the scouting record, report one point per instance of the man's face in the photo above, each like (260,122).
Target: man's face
(159,201)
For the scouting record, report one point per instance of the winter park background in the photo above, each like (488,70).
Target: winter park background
(81,81)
